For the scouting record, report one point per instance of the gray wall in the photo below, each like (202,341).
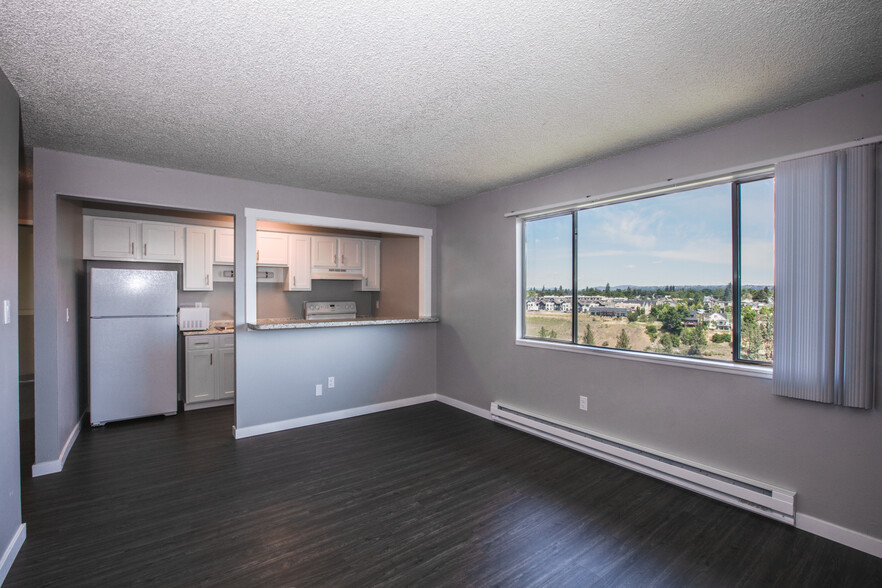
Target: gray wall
(399,276)
(828,455)
(10,482)
(352,355)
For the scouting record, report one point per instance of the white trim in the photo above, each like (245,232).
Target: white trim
(685,182)
(253,214)
(470,408)
(56,465)
(11,551)
(833,532)
(738,369)
(243,432)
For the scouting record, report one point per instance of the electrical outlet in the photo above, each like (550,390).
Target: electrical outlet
(330,382)
(583,403)
(318,389)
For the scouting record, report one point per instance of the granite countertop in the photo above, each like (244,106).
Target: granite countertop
(273,324)
(216,328)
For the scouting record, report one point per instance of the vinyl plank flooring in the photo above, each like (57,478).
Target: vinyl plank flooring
(421,496)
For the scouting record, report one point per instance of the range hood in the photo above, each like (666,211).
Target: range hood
(337,274)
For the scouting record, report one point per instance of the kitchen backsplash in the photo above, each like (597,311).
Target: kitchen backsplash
(273,302)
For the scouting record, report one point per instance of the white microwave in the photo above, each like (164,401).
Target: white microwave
(193,319)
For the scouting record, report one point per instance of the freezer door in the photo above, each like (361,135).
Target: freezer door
(132,292)
(132,368)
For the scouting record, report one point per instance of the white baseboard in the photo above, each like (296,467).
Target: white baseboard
(56,465)
(12,550)
(243,432)
(481,412)
(833,532)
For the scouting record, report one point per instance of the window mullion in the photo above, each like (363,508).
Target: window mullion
(736,271)
(575,298)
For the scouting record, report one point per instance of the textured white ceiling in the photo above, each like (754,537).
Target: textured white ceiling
(411,99)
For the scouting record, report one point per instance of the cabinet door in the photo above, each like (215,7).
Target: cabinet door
(224,246)
(350,253)
(371,281)
(201,375)
(114,239)
(324,252)
(197,258)
(272,248)
(225,373)
(299,264)
(162,242)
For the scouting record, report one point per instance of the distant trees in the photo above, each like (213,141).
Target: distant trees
(721,338)
(623,341)
(669,341)
(652,332)
(588,335)
(695,338)
(636,315)
(543,332)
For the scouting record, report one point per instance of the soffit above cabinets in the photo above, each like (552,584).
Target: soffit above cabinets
(412,100)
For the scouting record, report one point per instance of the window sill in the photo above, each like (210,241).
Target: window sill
(753,371)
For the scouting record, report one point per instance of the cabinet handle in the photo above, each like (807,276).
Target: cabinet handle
(133,247)
(211,359)
(335,259)
(206,279)
(145,248)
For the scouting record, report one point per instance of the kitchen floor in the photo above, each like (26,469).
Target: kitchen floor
(420,496)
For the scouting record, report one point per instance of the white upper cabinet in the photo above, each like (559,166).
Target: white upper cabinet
(197,258)
(272,248)
(371,258)
(324,252)
(336,253)
(109,238)
(132,240)
(350,253)
(299,268)
(224,246)
(162,242)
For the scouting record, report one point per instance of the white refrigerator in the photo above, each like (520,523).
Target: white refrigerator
(132,343)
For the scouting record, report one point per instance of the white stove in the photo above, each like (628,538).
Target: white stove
(328,310)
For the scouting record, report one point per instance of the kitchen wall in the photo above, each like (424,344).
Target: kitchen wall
(273,302)
(11,528)
(276,372)
(828,455)
(399,268)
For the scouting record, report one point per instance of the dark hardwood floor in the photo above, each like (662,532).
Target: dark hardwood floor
(421,496)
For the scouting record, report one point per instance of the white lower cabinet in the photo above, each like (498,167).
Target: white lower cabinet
(210,366)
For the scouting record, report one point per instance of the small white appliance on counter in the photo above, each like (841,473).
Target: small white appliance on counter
(193,318)
(133,362)
(329,310)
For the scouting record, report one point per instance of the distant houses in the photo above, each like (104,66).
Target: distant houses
(615,307)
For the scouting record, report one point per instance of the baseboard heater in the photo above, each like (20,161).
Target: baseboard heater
(749,494)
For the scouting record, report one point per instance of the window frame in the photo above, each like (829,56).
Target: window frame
(734,365)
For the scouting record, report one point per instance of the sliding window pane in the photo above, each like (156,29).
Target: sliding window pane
(548,278)
(655,274)
(757,270)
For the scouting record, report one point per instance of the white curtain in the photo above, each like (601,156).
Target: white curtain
(825,274)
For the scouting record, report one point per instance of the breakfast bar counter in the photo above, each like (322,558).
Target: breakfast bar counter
(273,324)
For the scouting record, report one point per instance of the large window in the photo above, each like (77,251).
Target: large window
(686,273)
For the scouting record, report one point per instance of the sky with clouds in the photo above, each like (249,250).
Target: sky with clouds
(676,239)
